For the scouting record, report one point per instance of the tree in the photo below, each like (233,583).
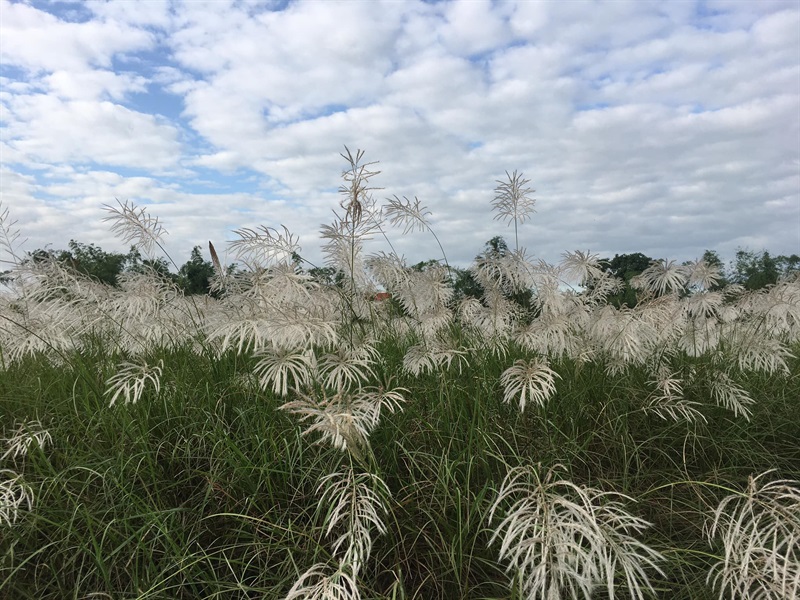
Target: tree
(137,264)
(87,259)
(194,275)
(466,286)
(753,270)
(788,266)
(626,267)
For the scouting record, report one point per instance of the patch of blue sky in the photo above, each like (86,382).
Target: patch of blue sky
(307,114)
(25,170)
(707,18)
(586,107)
(269,5)
(156,101)
(703,10)
(241,181)
(332,109)
(73,12)
(13,72)
(481,59)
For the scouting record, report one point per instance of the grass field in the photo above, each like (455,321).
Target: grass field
(289,439)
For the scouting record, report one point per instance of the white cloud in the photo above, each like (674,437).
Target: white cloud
(37,40)
(46,128)
(473,27)
(644,126)
(133,12)
(94,84)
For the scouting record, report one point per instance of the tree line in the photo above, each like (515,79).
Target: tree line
(106,267)
(751,269)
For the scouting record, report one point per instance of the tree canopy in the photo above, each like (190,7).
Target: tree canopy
(751,269)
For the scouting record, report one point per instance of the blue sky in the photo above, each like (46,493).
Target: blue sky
(657,127)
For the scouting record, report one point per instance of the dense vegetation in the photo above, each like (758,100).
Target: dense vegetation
(514,430)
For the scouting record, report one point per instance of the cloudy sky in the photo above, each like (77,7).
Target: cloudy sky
(657,127)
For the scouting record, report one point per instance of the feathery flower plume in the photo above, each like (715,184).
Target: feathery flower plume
(623,335)
(388,269)
(410,215)
(533,380)
(565,540)
(346,419)
(9,235)
(550,335)
(264,246)
(14,493)
(315,584)
(601,288)
(356,190)
(661,277)
(512,201)
(703,275)
(581,267)
(347,366)
(703,304)
(343,252)
(131,380)
(135,225)
(760,534)
(343,419)
(355,506)
(754,350)
(732,396)
(699,336)
(277,365)
(493,323)
(432,355)
(667,401)
(21,440)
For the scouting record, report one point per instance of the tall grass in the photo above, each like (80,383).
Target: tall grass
(293,438)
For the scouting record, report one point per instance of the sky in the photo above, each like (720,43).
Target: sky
(665,128)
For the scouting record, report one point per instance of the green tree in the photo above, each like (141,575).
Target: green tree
(754,270)
(327,276)
(137,264)
(626,267)
(87,259)
(466,286)
(194,275)
(788,266)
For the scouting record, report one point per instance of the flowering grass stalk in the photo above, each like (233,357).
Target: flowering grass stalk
(14,495)
(760,534)
(315,584)
(527,381)
(26,435)
(131,380)
(356,503)
(560,539)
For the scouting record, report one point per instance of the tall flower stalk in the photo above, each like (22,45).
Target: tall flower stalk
(513,202)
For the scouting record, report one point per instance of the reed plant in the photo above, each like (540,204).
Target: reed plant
(288,437)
